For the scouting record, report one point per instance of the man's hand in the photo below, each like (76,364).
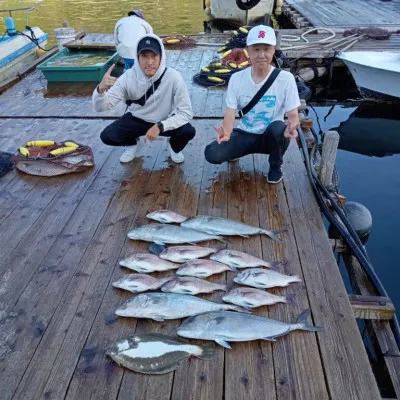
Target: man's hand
(107,81)
(152,133)
(290,133)
(222,134)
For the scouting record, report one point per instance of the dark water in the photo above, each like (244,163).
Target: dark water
(368,164)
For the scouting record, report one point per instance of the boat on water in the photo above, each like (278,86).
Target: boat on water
(19,48)
(376,73)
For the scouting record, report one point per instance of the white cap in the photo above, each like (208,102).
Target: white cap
(261,34)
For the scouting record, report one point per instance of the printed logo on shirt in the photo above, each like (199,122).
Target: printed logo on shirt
(261,115)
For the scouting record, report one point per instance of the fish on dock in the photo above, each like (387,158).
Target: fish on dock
(225,326)
(251,298)
(155,353)
(239,259)
(162,306)
(202,268)
(166,217)
(227,227)
(181,254)
(190,285)
(137,283)
(264,278)
(146,262)
(164,233)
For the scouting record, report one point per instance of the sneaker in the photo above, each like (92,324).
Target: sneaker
(275,175)
(176,157)
(129,154)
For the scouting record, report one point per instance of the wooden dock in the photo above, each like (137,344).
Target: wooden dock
(62,238)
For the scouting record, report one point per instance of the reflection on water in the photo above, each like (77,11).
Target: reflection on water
(93,16)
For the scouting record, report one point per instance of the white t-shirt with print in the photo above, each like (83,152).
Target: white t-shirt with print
(280,98)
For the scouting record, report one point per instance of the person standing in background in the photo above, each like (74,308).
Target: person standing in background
(127,32)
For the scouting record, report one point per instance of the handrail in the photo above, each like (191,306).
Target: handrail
(27,9)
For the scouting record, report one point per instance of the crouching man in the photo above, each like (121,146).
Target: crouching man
(262,94)
(158,98)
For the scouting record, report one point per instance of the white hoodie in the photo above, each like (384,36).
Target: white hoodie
(170,103)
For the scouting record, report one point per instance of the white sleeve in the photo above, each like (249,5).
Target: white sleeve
(110,98)
(292,99)
(232,100)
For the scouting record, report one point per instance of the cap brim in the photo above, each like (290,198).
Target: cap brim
(269,43)
(152,49)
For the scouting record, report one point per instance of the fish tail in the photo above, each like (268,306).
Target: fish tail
(156,249)
(273,234)
(208,351)
(223,240)
(290,299)
(302,323)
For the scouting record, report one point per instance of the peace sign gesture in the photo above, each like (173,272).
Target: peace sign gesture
(107,81)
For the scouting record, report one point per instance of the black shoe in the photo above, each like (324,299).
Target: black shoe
(275,175)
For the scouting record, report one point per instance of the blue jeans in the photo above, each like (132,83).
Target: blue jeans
(129,62)
(242,143)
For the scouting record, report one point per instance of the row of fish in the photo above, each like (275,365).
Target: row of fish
(154,353)
(195,229)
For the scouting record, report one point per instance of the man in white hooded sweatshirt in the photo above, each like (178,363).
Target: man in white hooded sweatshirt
(160,102)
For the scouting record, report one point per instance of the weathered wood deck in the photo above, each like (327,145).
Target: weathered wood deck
(61,240)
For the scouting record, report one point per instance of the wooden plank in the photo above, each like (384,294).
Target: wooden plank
(348,374)
(299,373)
(199,379)
(328,157)
(372,307)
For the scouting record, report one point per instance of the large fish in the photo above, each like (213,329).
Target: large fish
(264,278)
(154,353)
(238,259)
(202,268)
(145,262)
(226,227)
(251,298)
(164,233)
(190,285)
(181,254)
(224,327)
(161,306)
(137,283)
(166,217)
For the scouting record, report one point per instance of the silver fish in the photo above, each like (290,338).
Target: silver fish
(161,306)
(264,278)
(190,285)
(225,326)
(146,262)
(137,283)
(227,227)
(238,259)
(202,268)
(251,298)
(181,254)
(154,353)
(164,233)
(166,216)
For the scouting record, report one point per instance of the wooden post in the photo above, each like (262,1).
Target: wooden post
(329,148)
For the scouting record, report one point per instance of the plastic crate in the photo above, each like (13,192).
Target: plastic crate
(72,65)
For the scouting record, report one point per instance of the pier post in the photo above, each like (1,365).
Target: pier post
(328,157)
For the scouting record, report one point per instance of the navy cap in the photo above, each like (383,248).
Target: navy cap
(150,44)
(136,12)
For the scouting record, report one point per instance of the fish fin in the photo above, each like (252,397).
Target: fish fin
(290,299)
(223,240)
(156,249)
(302,321)
(208,351)
(222,343)
(269,338)
(274,265)
(156,317)
(245,236)
(159,243)
(233,268)
(187,291)
(241,309)
(273,234)
(248,306)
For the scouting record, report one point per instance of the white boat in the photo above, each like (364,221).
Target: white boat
(19,48)
(377,74)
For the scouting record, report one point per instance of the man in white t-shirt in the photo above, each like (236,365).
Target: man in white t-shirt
(262,129)
(127,32)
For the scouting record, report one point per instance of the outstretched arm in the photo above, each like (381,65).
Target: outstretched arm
(293,124)
(224,131)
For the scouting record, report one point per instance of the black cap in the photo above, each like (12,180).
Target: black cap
(136,12)
(150,44)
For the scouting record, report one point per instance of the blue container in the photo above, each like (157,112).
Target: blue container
(10,25)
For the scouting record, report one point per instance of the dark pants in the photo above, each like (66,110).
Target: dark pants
(242,143)
(125,131)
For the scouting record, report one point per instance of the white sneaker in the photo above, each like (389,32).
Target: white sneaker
(176,157)
(129,154)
